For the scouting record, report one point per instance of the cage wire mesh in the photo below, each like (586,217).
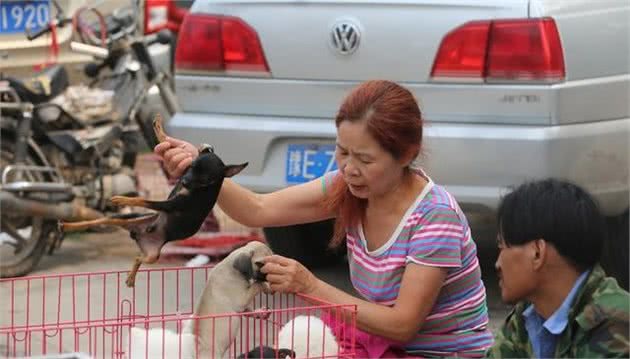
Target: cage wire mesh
(94,314)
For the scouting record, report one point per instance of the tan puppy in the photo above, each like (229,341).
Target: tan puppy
(231,288)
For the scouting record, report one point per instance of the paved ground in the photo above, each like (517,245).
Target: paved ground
(106,296)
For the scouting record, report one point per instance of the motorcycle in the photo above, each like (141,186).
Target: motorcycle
(65,150)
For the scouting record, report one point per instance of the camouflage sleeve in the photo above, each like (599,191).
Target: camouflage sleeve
(610,340)
(510,341)
(605,324)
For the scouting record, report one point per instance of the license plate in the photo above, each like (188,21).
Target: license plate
(17,16)
(305,162)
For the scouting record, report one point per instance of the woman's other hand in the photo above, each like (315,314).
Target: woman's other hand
(286,275)
(176,154)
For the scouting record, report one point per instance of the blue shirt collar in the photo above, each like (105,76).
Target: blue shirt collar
(558,321)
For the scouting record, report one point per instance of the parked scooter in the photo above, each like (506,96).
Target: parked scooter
(63,161)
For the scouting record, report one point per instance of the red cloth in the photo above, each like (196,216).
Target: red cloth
(365,345)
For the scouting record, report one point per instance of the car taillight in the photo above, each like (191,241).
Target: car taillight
(501,50)
(162,14)
(218,43)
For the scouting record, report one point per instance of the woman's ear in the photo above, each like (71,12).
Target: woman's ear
(411,154)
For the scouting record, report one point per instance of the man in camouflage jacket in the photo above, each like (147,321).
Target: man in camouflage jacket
(598,325)
(550,239)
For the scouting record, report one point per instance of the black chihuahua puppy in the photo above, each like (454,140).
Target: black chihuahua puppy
(267,352)
(178,217)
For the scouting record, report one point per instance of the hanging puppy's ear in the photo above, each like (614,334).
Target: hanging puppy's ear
(232,170)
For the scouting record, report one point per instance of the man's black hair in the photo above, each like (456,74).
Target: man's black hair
(559,212)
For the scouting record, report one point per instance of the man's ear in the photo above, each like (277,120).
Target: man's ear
(232,170)
(243,264)
(539,253)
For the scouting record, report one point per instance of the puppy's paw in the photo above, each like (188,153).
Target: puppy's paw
(260,313)
(266,288)
(131,281)
(265,312)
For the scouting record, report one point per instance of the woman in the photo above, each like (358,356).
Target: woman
(410,250)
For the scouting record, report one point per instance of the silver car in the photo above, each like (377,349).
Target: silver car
(512,90)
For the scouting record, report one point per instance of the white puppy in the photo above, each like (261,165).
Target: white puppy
(308,337)
(159,342)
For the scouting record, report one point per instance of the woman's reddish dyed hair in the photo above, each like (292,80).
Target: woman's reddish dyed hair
(393,118)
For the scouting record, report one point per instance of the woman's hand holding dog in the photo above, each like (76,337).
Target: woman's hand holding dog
(177,155)
(286,275)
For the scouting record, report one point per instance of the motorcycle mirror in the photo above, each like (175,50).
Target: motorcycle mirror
(164,36)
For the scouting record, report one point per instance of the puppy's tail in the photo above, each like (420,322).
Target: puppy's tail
(158,129)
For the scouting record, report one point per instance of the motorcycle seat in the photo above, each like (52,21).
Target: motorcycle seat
(85,143)
(42,86)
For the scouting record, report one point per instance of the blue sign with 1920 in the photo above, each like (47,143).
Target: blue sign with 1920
(17,16)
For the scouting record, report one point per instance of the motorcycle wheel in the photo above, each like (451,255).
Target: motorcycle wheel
(35,230)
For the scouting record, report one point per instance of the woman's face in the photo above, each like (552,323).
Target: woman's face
(368,169)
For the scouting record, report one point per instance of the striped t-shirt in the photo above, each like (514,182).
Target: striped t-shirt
(433,232)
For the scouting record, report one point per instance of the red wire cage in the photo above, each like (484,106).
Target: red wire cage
(91,315)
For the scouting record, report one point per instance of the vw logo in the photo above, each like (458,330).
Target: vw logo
(345,37)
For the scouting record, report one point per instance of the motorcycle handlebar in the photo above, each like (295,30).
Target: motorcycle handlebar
(96,51)
(163,37)
(46,29)
(32,36)
(59,21)
(138,45)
